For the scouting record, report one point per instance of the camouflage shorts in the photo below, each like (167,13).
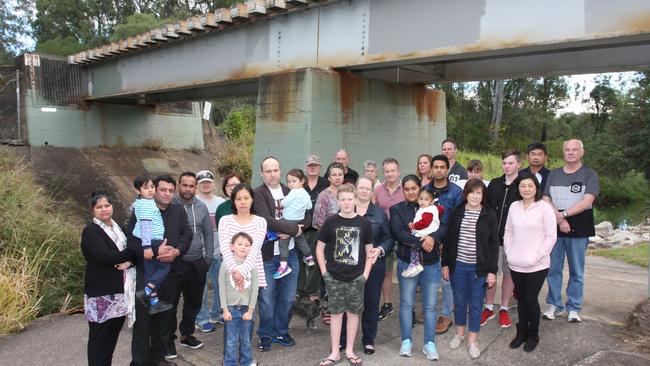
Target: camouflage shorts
(344,296)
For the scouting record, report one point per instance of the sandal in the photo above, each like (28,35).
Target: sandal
(329,362)
(368,349)
(355,361)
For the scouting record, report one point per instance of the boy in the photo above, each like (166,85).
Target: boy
(238,307)
(344,241)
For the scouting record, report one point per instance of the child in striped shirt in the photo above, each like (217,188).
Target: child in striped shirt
(150,230)
(426,221)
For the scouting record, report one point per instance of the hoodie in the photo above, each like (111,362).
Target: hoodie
(201,226)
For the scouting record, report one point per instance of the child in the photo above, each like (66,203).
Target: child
(150,230)
(426,221)
(474,171)
(294,206)
(344,241)
(238,307)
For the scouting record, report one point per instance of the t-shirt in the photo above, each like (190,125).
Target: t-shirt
(345,240)
(146,209)
(467,237)
(295,204)
(278,196)
(565,190)
(456,172)
(385,199)
(212,205)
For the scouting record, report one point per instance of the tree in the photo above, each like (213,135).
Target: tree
(604,99)
(14,26)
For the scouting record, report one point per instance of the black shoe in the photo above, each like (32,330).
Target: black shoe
(368,349)
(171,351)
(190,341)
(143,298)
(385,311)
(166,363)
(284,340)
(520,338)
(531,344)
(159,307)
(265,344)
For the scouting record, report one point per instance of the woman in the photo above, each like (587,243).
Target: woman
(423,169)
(529,237)
(370,172)
(470,259)
(109,280)
(243,220)
(326,205)
(207,316)
(383,240)
(401,215)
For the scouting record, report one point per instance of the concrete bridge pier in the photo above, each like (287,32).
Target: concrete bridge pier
(315,111)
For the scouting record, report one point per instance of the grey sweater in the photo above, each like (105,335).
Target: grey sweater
(230,296)
(199,220)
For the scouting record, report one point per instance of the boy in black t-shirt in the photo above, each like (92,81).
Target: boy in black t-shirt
(345,255)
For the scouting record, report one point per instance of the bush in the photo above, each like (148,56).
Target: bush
(239,123)
(632,187)
(41,270)
(236,155)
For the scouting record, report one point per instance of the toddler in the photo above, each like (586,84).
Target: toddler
(426,221)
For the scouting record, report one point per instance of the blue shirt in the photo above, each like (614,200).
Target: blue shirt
(146,209)
(295,204)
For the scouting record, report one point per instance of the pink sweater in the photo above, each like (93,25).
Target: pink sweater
(529,236)
(228,227)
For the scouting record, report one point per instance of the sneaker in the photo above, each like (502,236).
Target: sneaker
(405,348)
(385,311)
(284,340)
(504,319)
(412,271)
(190,341)
(281,272)
(487,315)
(574,317)
(473,350)
(159,307)
(143,298)
(264,344)
(443,324)
(171,351)
(309,261)
(456,341)
(551,312)
(431,351)
(205,328)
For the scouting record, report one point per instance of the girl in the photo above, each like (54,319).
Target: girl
(427,220)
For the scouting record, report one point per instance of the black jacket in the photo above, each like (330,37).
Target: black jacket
(499,198)
(487,241)
(400,215)
(177,232)
(101,253)
(381,236)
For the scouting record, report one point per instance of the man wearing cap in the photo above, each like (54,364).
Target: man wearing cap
(309,278)
(208,315)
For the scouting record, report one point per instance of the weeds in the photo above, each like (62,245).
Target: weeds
(153,144)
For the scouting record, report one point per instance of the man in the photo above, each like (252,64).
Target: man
(151,332)
(276,299)
(456,171)
(449,196)
(500,194)
(309,278)
(194,265)
(536,154)
(388,194)
(350,176)
(571,190)
(207,316)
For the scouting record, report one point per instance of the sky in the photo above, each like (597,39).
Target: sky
(619,80)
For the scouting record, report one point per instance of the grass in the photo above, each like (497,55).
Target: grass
(41,266)
(492,163)
(636,255)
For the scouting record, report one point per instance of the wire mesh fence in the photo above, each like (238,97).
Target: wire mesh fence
(8,103)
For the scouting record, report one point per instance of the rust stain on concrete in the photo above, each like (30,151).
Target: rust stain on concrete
(640,23)
(278,93)
(350,92)
(427,103)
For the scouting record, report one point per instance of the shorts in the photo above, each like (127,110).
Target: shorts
(344,296)
(503,263)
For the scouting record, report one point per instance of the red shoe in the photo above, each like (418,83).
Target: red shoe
(486,315)
(504,319)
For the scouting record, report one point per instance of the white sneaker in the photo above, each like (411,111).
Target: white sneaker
(456,341)
(551,312)
(474,351)
(431,351)
(412,271)
(574,317)
(405,348)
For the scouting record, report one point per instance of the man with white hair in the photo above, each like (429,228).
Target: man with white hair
(571,190)
(350,175)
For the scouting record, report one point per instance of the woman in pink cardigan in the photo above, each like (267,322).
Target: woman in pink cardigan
(529,237)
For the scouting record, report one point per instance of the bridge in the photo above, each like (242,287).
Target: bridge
(352,73)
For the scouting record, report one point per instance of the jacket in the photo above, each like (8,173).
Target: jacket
(487,241)
(198,217)
(264,206)
(499,198)
(449,198)
(381,236)
(401,215)
(101,277)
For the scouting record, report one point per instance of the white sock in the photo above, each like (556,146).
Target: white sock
(488,306)
(503,308)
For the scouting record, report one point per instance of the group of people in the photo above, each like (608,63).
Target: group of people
(335,239)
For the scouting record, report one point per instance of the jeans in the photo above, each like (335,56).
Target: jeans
(155,271)
(469,291)
(447,306)
(429,280)
(575,249)
(237,338)
(206,313)
(276,299)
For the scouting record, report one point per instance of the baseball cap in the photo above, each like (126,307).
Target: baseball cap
(204,175)
(312,159)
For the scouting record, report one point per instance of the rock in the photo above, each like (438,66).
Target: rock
(604,229)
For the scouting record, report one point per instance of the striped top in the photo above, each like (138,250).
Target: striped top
(467,238)
(228,227)
(146,209)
